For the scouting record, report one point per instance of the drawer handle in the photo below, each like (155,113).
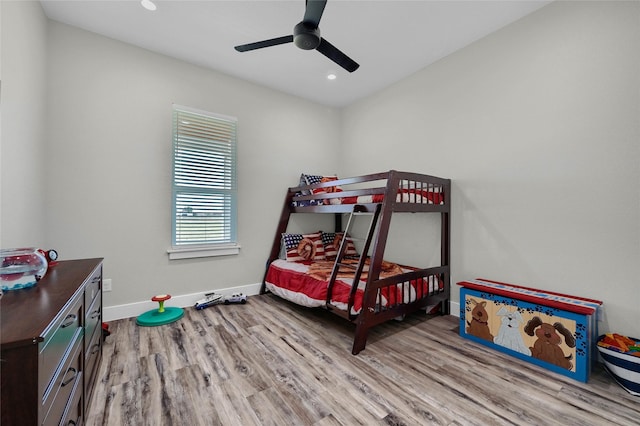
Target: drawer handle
(95,314)
(70,379)
(69,320)
(96,348)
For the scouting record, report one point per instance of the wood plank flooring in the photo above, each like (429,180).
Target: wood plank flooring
(270,362)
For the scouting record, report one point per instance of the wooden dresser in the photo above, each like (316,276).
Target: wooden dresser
(51,346)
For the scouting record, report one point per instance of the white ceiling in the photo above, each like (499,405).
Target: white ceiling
(390,39)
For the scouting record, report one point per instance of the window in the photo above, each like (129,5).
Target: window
(204,195)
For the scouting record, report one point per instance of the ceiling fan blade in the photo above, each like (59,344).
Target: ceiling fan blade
(313,12)
(333,53)
(265,43)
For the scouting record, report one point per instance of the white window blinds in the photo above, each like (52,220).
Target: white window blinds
(204,178)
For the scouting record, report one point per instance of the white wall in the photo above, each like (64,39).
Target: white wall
(110,129)
(538,126)
(23,140)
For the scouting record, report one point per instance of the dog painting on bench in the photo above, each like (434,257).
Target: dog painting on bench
(547,345)
(479,324)
(509,334)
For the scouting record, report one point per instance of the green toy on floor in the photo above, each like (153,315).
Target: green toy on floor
(162,315)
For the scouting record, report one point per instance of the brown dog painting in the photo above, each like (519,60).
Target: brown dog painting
(547,345)
(479,324)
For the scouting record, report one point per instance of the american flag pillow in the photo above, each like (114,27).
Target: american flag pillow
(313,179)
(308,180)
(329,189)
(331,243)
(301,247)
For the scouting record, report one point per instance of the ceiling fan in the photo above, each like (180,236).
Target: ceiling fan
(306,35)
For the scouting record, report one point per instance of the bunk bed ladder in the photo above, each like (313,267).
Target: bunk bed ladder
(359,267)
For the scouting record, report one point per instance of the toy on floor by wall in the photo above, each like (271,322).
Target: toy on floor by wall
(209,299)
(236,298)
(619,343)
(621,356)
(161,315)
(105,331)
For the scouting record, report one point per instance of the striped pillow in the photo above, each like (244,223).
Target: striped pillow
(301,247)
(331,243)
(312,179)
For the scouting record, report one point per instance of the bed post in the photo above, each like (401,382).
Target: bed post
(360,338)
(445,246)
(337,218)
(282,227)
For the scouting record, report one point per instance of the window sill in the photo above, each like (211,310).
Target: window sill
(203,251)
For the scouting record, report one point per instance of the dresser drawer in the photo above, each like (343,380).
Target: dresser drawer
(73,413)
(92,366)
(66,379)
(94,285)
(93,319)
(92,355)
(58,339)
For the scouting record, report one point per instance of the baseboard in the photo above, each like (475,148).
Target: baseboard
(131,310)
(454,309)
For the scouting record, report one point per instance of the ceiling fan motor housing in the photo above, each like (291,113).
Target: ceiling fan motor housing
(306,36)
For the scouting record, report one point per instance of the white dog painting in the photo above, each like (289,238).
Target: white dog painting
(509,334)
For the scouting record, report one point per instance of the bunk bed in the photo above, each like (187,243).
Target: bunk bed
(324,269)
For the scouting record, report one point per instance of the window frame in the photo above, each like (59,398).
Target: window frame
(230,245)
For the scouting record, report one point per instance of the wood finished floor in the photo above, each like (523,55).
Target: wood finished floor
(270,362)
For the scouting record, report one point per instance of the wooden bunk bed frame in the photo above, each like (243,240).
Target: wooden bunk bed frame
(372,313)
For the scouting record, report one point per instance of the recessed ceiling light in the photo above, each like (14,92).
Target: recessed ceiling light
(331,76)
(148,4)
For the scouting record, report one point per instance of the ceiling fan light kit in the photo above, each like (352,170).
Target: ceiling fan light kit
(149,5)
(306,36)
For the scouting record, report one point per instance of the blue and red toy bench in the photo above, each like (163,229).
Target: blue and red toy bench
(553,330)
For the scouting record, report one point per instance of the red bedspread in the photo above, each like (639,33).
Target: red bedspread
(295,282)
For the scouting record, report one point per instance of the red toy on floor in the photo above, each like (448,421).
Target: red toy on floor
(105,331)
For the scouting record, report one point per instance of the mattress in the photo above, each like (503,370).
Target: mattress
(305,283)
